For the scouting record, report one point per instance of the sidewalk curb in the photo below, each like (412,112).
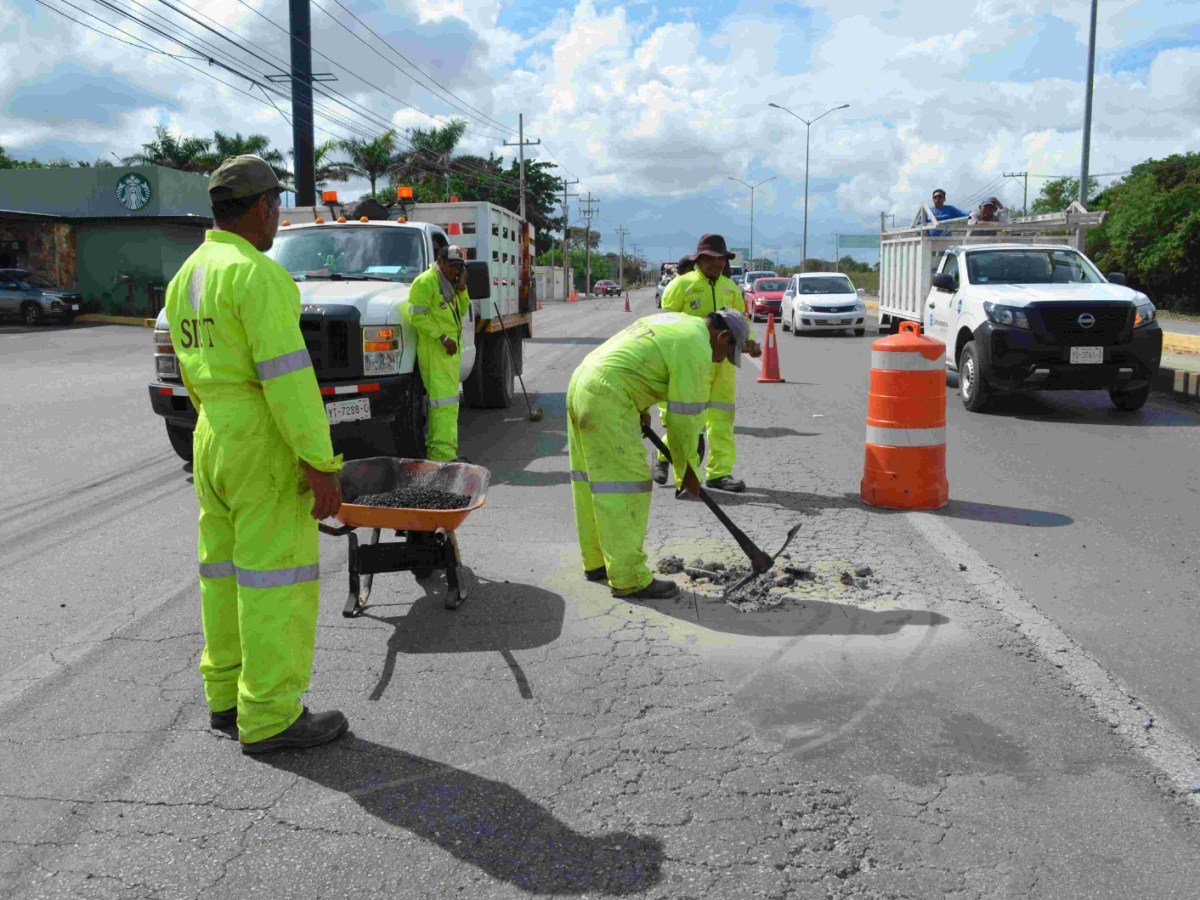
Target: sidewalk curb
(102,319)
(1182,384)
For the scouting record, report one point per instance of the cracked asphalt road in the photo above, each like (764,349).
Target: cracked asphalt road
(902,739)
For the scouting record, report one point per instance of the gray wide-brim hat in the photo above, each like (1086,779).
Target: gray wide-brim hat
(739,327)
(240,177)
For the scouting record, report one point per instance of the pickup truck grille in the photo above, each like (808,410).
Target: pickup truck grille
(1061,323)
(333,337)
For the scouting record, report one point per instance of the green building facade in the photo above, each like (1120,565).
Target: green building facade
(117,234)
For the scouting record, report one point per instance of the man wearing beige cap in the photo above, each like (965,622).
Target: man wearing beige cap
(264,467)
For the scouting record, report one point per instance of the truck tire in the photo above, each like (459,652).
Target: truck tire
(1130,401)
(491,383)
(972,387)
(408,428)
(181,441)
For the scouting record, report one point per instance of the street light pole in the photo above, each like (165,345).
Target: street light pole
(750,261)
(1087,111)
(807,127)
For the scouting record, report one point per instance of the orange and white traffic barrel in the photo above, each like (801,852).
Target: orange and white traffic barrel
(905,464)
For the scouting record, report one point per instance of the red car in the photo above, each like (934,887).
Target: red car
(765,296)
(606,288)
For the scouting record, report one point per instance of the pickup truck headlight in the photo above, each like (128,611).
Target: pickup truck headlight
(1012,316)
(1146,313)
(381,350)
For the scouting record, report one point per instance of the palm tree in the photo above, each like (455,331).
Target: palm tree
(188,154)
(433,151)
(371,159)
(327,168)
(225,146)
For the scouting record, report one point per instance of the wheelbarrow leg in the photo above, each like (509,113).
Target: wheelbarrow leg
(455,595)
(360,585)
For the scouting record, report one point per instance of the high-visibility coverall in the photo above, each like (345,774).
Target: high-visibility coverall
(235,326)
(695,295)
(664,357)
(433,316)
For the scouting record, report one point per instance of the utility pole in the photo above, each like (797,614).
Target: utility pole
(521,144)
(1087,111)
(621,232)
(1025,175)
(637,261)
(302,103)
(587,243)
(566,232)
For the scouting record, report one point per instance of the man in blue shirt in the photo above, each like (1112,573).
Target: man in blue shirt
(942,210)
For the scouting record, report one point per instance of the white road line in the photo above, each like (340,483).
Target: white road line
(1165,747)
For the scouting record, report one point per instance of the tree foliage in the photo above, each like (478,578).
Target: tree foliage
(1057,195)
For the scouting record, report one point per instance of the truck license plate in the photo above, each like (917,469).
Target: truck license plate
(1087,355)
(348,410)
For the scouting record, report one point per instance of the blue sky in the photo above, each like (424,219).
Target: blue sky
(654,106)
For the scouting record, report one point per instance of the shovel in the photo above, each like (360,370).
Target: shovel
(760,562)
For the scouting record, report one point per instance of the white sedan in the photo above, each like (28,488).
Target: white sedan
(822,301)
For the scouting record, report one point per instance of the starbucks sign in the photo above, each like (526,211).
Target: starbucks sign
(133,191)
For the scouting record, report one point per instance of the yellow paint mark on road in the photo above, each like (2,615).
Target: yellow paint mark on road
(102,319)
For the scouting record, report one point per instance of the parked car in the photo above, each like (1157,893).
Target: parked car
(606,288)
(822,301)
(662,286)
(31,297)
(765,296)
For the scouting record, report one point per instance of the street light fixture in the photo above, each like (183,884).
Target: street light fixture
(750,261)
(807,125)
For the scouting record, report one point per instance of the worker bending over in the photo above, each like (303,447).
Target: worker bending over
(665,357)
(437,306)
(702,291)
(263,467)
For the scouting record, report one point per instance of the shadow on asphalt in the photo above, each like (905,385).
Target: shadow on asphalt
(776,432)
(482,430)
(581,341)
(496,616)
(485,823)
(795,617)
(1079,408)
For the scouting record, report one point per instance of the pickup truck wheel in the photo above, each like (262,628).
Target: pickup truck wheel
(971,386)
(491,383)
(408,428)
(31,313)
(1130,401)
(181,441)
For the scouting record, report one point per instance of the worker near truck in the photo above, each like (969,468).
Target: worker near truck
(264,467)
(991,212)
(667,357)
(437,306)
(704,290)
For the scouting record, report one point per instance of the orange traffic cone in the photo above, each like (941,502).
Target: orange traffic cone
(574,296)
(627,309)
(770,365)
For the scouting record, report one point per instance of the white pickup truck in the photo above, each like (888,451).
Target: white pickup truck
(354,275)
(1020,307)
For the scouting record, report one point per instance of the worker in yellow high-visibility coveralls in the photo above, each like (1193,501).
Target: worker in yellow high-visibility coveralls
(263,466)
(699,293)
(668,358)
(437,307)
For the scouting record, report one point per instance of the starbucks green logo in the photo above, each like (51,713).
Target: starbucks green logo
(133,191)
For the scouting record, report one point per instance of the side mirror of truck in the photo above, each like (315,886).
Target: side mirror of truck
(1116,277)
(479,280)
(944,282)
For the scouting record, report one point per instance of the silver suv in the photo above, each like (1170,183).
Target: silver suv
(34,299)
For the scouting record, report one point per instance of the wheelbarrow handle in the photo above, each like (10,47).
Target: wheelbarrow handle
(758,560)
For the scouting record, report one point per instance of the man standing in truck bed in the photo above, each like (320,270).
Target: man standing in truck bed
(264,467)
(702,291)
(437,306)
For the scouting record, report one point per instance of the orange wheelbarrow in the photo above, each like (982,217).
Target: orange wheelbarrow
(427,541)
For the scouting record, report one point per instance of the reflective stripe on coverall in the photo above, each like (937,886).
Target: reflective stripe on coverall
(235,325)
(431,316)
(695,295)
(664,357)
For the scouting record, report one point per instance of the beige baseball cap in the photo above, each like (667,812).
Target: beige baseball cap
(242,176)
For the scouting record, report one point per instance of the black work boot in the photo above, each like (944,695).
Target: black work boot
(726,483)
(226,720)
(657,589)
(310,730)
(660,471)
(600,573)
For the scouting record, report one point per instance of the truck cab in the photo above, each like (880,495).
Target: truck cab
(354,276)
